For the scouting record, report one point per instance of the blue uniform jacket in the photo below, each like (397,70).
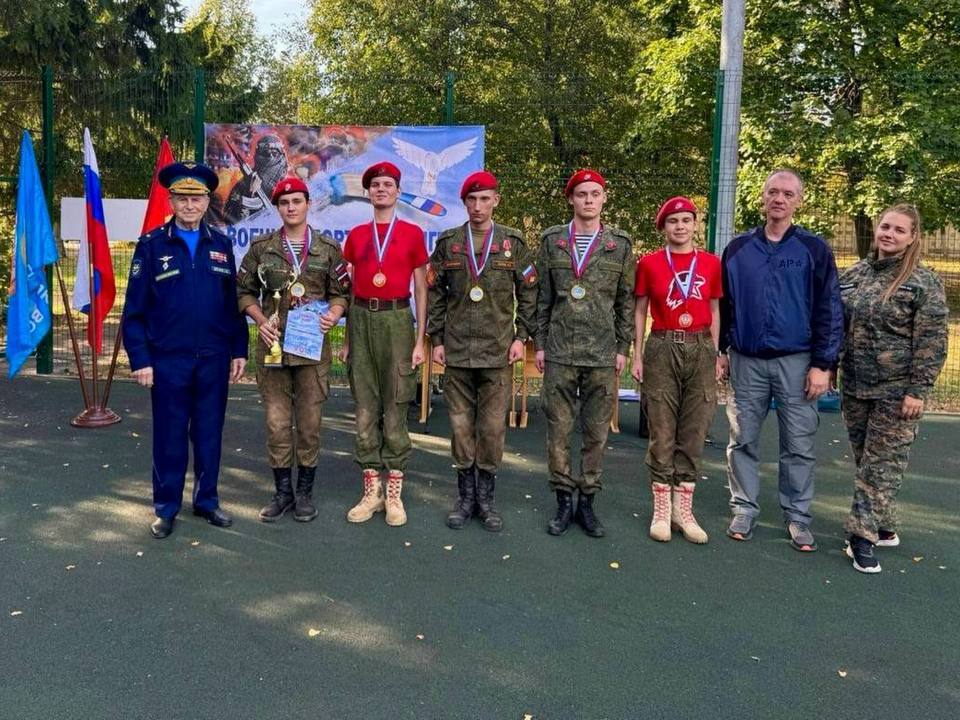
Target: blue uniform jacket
(180,305)
(781,298)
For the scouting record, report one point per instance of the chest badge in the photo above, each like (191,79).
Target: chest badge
(166,261)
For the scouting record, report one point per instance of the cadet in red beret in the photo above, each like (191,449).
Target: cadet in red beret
(678,366)
(280,278)
(382,346)
(584,332)
(483,303)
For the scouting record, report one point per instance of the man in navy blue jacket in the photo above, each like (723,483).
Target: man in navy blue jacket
(782,321)
(186,339)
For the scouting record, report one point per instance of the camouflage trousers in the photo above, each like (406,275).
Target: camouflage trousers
(564,387)
(383,384)
(293,400)
(477,400)
(680,397)
(881,442)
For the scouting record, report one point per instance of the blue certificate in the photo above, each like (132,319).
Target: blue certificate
(302,335)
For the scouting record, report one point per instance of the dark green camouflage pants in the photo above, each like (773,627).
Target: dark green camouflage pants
(680,396)
(564,386)
(383,384)
(477,400)
(293,400)
(881,442)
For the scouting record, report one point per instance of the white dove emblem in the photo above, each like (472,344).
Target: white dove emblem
(433,163)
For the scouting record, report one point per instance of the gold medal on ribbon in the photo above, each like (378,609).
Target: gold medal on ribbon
(379,279)
(298,290)
(476,293)
(578,292)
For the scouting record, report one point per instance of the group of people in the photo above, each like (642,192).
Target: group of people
(771,316)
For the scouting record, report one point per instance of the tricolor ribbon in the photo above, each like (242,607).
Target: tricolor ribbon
(684,290)
(477,268)
(578,262)
(298,264)
(382,248)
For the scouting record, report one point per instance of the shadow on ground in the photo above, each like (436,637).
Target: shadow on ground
(332,620)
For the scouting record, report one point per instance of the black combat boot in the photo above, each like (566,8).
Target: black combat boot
(305,511)
(486,483)
(466,502)
(587,519)
(283,500)
(561,521)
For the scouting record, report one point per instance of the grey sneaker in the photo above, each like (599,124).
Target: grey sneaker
(801,538)
(741,527)
(888,538)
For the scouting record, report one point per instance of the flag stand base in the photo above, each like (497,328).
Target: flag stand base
(94,417)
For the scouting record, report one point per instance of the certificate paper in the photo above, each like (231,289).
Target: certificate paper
(302,335)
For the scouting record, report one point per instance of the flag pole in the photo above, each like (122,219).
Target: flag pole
(73,335)
(113,362)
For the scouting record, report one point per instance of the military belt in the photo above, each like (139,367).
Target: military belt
(376,304)
(680,336)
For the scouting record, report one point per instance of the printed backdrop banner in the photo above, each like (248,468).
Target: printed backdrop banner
(251,159)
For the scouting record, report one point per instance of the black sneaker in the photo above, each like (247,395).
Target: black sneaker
(860,551)
(887,538)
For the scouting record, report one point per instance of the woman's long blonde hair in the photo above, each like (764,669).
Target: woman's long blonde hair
(911,256)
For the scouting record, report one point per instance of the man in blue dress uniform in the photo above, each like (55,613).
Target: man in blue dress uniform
(185,339)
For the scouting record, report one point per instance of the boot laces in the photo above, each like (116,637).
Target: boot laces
(686,507)
(394,486)
(661,504)
(371,483)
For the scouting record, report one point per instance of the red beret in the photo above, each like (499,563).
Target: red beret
(478,181)
(674,205)
(289,185)
(380,169)
(582,176)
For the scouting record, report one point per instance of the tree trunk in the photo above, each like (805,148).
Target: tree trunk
(863,231)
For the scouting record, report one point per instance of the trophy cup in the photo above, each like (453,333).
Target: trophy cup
(275,281)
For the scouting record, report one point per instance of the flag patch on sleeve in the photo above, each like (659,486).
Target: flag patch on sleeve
(530,274)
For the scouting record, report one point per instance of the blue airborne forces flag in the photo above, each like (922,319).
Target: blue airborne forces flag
(28,314)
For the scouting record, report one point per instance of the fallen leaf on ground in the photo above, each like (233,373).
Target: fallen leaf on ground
(918,558)
(71,567)
(66,464)
(140,553)
(135,434)
(313,632)
(505,557)
(528,497)
(195,543)
(16,612)
(939,567)
(407,544)
(448,547)
(105,466)
(528,717)
(842,673)
(755,658)
(419,637)
(615,565)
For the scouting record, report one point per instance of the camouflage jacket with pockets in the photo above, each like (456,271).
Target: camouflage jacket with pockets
(324,276)
(897,347)
(588,332)
(479,334)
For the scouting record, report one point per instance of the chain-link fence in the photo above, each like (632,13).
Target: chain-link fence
(532,145)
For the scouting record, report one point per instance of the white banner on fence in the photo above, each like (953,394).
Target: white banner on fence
(124,218)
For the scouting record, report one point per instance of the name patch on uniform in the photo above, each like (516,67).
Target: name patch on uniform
(452,264)
(167,274)
(218,256)
(222,269)
(503,264)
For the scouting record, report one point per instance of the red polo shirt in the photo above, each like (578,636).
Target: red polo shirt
(656,282)
(406,252)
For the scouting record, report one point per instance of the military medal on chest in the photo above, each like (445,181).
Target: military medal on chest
(578,262)
(297,288)
(380,277)
(477,266)
(683,288)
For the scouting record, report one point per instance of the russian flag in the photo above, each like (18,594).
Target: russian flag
(94,261)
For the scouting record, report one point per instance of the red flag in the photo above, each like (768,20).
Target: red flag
(158,203)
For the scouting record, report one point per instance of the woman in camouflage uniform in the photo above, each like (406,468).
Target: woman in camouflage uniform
(895,316)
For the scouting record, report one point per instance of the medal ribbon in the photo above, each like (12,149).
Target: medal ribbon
(475,268)
(382,248)
(684,290)
(579,263)
(298,264)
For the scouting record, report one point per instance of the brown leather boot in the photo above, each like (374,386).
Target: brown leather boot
(372,500)
(660,524)
(682,518)
(396,515)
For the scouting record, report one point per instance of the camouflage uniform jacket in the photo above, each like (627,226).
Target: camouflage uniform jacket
(588,332)
(897,347)
(479,334)
(324,275)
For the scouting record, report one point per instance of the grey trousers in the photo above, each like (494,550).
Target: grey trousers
(754,381)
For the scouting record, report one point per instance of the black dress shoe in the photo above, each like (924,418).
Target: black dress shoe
(161,527)
(215,517)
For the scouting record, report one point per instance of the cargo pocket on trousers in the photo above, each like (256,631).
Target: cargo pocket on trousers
(406,382)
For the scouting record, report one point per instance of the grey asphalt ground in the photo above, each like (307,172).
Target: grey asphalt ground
(333,620)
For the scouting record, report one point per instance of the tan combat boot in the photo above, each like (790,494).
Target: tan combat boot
(396,515)
(660,524)
(682,518)
(372,500)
